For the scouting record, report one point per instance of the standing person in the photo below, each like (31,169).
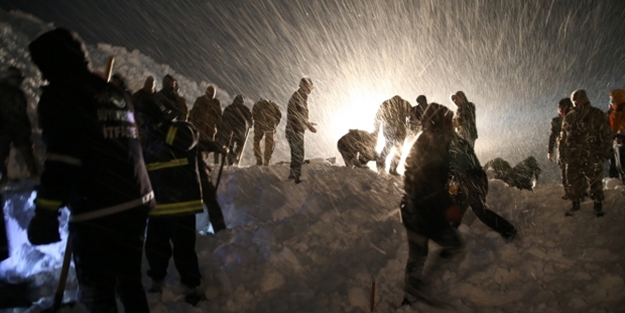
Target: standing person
(468,185)
(119,81)
(584,145)
(427,208)
(15,125)
(616,114)
(171,159)
(206,116)
(393,115)
(95,168)
(417,112)
(15,129)
(236,122)
(296,124)
(145,93)
(357,148)
(266,116)
(465,120)
(564,106)
(170,98)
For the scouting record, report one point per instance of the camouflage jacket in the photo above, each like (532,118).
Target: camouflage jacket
(585,135)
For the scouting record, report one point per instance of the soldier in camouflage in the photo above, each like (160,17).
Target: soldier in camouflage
(585,144)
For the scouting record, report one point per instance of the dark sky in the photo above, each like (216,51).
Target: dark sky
(513,58)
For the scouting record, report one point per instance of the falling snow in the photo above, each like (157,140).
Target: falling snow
(319,245)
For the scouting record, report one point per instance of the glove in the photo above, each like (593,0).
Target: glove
(454,214)
(44,227)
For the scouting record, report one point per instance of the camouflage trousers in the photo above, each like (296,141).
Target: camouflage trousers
(580,176)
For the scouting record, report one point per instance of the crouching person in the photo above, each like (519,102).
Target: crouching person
(169,148)
(357,148)
(95,168)
(427,208)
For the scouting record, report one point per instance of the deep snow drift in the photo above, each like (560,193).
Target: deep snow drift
(317,247)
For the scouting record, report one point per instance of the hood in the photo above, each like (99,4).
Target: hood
(58,53)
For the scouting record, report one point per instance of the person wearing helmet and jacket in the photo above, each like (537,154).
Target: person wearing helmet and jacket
(170,98)
(171,160)
(392,116)
(296,124)
(616,115)
(94,167)
(267,115)
(427,208)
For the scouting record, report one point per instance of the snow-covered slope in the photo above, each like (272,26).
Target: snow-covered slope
(319,245)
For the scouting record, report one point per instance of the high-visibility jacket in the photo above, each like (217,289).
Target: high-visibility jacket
(171,160)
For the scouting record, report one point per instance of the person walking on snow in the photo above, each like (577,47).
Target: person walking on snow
(468,186)
(427,208)
(206,116)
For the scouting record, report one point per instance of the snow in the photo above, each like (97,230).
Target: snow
(318,246)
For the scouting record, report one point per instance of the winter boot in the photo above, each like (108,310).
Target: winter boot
(416,290)
(574,208)
(598,208)
(509,235)
(194,295)
(157,286)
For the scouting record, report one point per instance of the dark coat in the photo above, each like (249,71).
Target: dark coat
(206,116)
(94,157)
(425,185)
(266,116)
(236,119)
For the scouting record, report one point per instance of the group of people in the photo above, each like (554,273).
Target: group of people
(585,138)
(130,164)
(123,163)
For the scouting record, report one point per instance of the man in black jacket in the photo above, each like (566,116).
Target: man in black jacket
(427,208)
(94,167)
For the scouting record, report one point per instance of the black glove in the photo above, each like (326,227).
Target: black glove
(44,227)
